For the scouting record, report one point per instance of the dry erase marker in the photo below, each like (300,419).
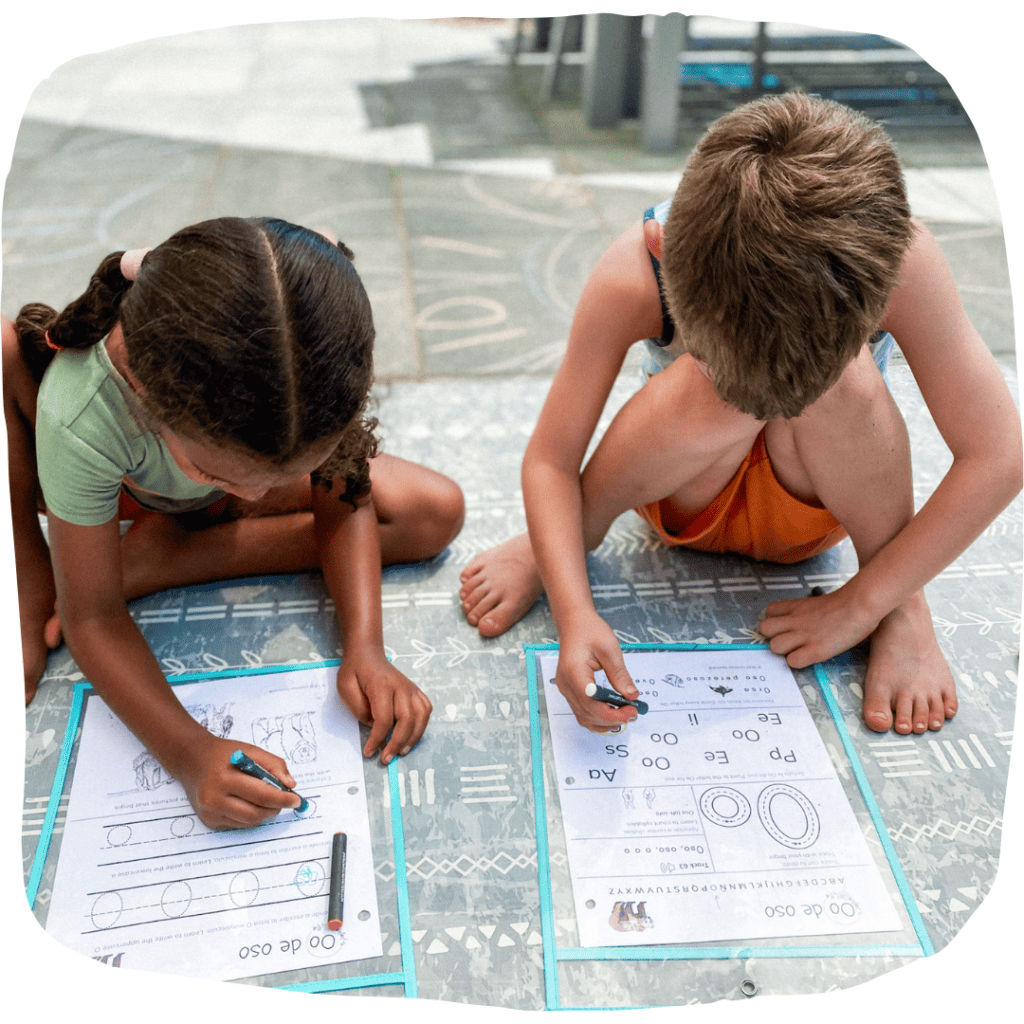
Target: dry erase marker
(616,700)
(336,899)
(246,764)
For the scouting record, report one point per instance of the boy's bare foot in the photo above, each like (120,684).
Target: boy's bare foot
(500,586)
(909,686)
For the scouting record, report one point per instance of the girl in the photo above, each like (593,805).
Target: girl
(214,390)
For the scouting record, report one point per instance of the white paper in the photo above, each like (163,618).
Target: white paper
(717,815)
(142,883)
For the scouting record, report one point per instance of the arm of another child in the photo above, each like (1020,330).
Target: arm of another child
(376,692)
(971,405)
(618,306)
(115,658)
(31,555)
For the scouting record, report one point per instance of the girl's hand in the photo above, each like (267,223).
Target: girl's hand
(381,697)
(225,797)
(585,648)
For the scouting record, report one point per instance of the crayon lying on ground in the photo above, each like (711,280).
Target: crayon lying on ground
(616,700)
(246,764)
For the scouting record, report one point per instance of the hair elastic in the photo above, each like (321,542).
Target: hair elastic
(56,348)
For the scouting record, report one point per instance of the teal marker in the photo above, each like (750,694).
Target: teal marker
(614,698)
(246,764)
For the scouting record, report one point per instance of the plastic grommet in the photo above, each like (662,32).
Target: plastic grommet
(748,988)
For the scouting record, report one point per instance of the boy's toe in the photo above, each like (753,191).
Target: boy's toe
(494,623)
(478,605)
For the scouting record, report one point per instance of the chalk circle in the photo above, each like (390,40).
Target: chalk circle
(363,915)
(119,835)
(183,826)
(493,313)
(788,816)
(725,806)
(243,888)
(175,899)
(310,878)
(106,909)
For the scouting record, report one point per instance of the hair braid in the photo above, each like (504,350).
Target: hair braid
(81,324)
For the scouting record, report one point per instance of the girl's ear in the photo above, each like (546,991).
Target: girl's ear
(130,263)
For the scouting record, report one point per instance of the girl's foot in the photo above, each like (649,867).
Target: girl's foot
(909,686)
(500,586)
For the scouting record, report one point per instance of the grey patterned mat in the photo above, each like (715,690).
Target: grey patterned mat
(472,859)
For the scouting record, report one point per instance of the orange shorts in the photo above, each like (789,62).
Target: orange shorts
(755,516)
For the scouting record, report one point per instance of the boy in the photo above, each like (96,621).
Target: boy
(787,257)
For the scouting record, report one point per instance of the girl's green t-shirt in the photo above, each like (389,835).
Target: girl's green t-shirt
(92,437)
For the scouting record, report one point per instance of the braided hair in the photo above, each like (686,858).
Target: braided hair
(253,333)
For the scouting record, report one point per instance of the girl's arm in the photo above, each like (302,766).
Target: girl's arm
(971,405)
(369,685)
(618,306)
(115,658)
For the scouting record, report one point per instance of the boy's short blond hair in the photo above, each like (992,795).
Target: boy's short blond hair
(782,245)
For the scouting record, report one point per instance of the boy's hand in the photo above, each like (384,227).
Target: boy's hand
(814,629)
(584,649)
(224,797)
(384,699)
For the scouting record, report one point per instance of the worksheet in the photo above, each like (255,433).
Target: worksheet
(142,883)
(716,815)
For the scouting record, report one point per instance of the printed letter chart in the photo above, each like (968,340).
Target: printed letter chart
(143,882)
(717,815)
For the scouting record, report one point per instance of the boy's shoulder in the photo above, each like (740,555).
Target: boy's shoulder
(925,286)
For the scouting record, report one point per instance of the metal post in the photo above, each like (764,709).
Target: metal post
(660,105)
(604,72)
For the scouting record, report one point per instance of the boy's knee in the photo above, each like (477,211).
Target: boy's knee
(860,390)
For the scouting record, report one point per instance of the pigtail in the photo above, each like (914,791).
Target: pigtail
(81,324)
(32,323)
(350,461)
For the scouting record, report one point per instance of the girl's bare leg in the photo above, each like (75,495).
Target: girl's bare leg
(420,512)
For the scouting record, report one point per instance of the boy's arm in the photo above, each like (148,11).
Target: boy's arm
(370,686)
(114,656)
(972,407)
(618,306)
